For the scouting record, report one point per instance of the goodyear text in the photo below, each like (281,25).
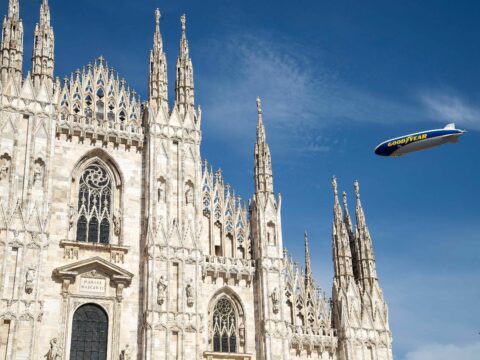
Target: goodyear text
(407,140)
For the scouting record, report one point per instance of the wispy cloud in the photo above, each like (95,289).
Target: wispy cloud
(447,107)
(445,352)
(300,95)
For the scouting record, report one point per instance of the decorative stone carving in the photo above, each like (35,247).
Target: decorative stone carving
(161,290)
(55,352)
(5,162)
(125,353)
(29,278)
(275,300)
(189,293)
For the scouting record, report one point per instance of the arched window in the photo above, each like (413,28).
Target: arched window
(94,205)
(224,326)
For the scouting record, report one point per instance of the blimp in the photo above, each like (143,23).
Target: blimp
(419,141)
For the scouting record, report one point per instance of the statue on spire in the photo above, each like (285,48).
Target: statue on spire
(183,22)
(157,17)
(259,105)
(356,187)
(334,185)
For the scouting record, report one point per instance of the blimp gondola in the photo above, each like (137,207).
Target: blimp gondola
(419,141)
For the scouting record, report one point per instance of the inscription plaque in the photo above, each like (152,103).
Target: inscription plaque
(91,285)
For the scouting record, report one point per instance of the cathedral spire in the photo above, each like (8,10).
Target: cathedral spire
(13,9)
(352,239)
(11,49)
(366,260)
(263,161)
(308,265)
(342,256)
(184,88)
(43,49)
(158,83)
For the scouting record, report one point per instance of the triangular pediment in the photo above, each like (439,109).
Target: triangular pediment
(95,265)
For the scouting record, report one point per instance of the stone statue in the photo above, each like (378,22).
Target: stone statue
(161,290)
(55,351)
(117,223)
(29,278)
(189,293)
(161,190)
(72,216)
(275,300)
(189,195)
(4,166)
(125,354)
(38,172)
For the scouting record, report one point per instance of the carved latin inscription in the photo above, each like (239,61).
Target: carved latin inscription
(92,285)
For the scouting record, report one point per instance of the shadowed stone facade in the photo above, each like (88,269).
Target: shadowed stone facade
(118,242)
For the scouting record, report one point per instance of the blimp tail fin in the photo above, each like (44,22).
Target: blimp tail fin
(450,126)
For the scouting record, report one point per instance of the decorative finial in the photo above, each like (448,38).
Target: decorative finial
(334,185)
(101,60)
(305,235)
(157,16)
(259,105)
(356,186)
(183,21)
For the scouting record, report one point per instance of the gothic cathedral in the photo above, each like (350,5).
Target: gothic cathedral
(118,242)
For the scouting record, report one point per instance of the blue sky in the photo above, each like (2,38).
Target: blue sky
(336,78)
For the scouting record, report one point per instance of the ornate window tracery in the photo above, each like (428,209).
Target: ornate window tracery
(94,205)
(225,327)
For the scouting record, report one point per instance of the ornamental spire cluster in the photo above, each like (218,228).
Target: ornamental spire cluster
(263,161)
(184,87)
(353,250)
(342,256)
(43,49)
(158,83)
(11,48)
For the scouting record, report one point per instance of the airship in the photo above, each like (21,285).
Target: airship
(419,141)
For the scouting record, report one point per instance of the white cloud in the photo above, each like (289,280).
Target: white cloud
(448,108)
(446,352)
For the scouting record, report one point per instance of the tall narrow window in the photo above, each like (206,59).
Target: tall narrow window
(224,327)
(94,205)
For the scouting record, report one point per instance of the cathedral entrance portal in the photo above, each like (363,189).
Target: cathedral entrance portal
(89,333)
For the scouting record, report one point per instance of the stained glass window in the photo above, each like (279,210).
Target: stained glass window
(94,205)
(224,327)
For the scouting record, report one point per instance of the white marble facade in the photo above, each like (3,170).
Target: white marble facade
(118,242)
